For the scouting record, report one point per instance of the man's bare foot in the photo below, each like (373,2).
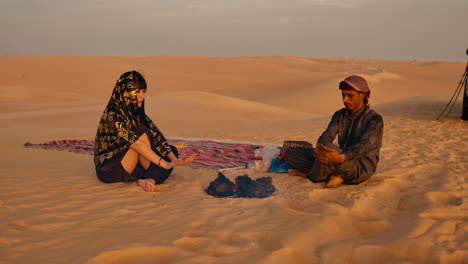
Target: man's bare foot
(295,172)
(334,181)
(147,184)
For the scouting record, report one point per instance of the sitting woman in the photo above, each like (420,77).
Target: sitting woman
(128,145)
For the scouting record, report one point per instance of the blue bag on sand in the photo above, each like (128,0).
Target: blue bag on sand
(278,166)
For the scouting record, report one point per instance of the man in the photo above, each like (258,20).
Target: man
(359,130)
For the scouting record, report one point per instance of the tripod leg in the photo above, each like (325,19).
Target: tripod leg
(465,99)
(453,100)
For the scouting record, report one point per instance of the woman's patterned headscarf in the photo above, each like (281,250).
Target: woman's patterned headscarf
(119,121)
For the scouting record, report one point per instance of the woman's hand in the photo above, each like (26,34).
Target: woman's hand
(166,165)
(181,162)
(177,162)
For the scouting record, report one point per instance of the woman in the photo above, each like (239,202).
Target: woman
(128,145)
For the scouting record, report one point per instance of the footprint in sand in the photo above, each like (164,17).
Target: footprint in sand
(445,198)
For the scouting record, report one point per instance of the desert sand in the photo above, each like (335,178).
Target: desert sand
(53,209)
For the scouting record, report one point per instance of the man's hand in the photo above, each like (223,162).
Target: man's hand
(326,155)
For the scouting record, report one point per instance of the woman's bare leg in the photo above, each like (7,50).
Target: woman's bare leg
(143,161)
(130,161)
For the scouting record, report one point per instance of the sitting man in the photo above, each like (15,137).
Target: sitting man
(359,130)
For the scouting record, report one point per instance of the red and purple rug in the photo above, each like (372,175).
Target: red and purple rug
(211,154)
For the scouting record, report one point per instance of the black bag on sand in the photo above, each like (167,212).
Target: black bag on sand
(260,188)
(244,186)
(220,187)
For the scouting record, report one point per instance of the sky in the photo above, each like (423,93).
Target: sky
(368,29)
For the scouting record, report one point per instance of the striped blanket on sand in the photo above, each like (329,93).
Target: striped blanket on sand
(211,154)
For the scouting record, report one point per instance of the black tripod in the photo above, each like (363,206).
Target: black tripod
(453,100)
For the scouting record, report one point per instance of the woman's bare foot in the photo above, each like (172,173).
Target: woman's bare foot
(295,172)
(334,181)
(147,184)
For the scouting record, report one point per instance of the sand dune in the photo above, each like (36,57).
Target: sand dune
(54,210)
(203,110)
